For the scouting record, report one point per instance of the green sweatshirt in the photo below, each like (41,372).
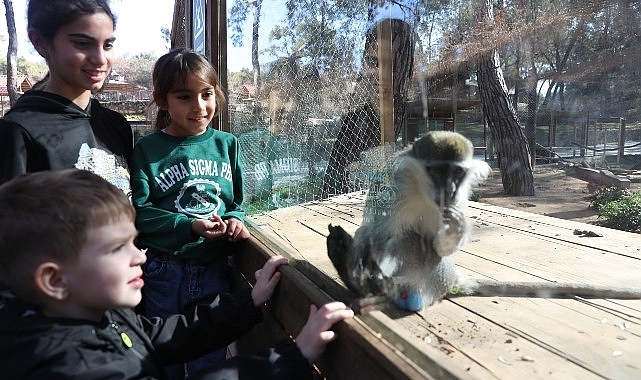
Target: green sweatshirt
(177,179)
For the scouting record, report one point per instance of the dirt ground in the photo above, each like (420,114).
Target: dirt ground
(556,194)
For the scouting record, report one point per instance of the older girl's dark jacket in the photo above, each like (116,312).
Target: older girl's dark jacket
(124,345)
(45,131)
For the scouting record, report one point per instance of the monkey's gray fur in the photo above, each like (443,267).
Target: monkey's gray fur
(404,247)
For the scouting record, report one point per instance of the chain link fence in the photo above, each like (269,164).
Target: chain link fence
(304,126)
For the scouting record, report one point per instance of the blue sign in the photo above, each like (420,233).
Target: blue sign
(198,25)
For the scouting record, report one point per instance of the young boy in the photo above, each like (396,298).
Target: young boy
(67,252)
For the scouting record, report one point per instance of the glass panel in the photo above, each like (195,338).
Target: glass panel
(533,82)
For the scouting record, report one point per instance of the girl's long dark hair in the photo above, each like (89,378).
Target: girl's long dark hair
(46,17)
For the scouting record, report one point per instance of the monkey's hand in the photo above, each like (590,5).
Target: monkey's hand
(453,232)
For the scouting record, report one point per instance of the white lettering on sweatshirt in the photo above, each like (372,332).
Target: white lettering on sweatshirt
(171,175)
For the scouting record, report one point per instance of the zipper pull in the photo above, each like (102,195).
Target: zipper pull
(126,340)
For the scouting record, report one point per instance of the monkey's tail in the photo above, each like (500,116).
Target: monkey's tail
(489,288)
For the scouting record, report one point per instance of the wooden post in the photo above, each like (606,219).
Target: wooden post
(188,7)
(550,132)
(574,139)
(385,83)
(621,137)
(217,37)
(586,131)
(554,130)
(455,85)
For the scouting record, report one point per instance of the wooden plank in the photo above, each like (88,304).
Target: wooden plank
(506,245)
(498,349)
(559,230)
(483,216)
(513,242)
(549,263)
(567,329)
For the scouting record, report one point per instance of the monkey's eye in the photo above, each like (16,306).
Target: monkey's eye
(458,172)
(454,173)
(437,171)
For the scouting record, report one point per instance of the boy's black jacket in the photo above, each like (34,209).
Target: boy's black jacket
(36,347)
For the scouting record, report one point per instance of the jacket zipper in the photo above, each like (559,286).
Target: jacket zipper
(126,341)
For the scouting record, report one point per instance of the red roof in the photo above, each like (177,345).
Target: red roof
(23,81)
(247,91)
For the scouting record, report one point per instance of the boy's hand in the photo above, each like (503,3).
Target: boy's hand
(213,228)
(316,333)
(236,230)
(266,280)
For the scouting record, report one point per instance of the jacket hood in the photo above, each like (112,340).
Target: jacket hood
(46,102)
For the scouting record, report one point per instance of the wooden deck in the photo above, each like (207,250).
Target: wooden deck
(485,337)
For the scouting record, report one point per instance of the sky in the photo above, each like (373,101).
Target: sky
(137,28)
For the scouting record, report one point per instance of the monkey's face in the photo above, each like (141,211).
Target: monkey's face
(446,178)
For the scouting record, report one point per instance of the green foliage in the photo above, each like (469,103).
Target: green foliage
(236,19)
(35,70)
(237,79)
(622,214)
(258,205)
(137,69)
(296,192)
(475,196)
(605,195)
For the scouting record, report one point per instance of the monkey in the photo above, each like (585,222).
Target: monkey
(412,225)
(402,252)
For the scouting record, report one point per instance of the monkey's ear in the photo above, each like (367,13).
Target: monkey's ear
(49,280)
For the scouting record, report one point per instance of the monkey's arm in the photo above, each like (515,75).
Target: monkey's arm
(453,232)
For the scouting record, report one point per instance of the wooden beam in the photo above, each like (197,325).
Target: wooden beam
(217,39)
(385,83)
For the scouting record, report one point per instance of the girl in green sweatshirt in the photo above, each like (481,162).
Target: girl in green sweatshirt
(187,190)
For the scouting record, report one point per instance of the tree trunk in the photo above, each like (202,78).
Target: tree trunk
(12,51)
(511,143)
(532,110)
(255,6)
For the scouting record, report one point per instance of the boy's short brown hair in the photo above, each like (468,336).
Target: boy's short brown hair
(46,216)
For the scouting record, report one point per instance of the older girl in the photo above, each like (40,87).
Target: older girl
(60,125)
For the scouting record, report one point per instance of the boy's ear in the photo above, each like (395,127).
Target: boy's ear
(50,281)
